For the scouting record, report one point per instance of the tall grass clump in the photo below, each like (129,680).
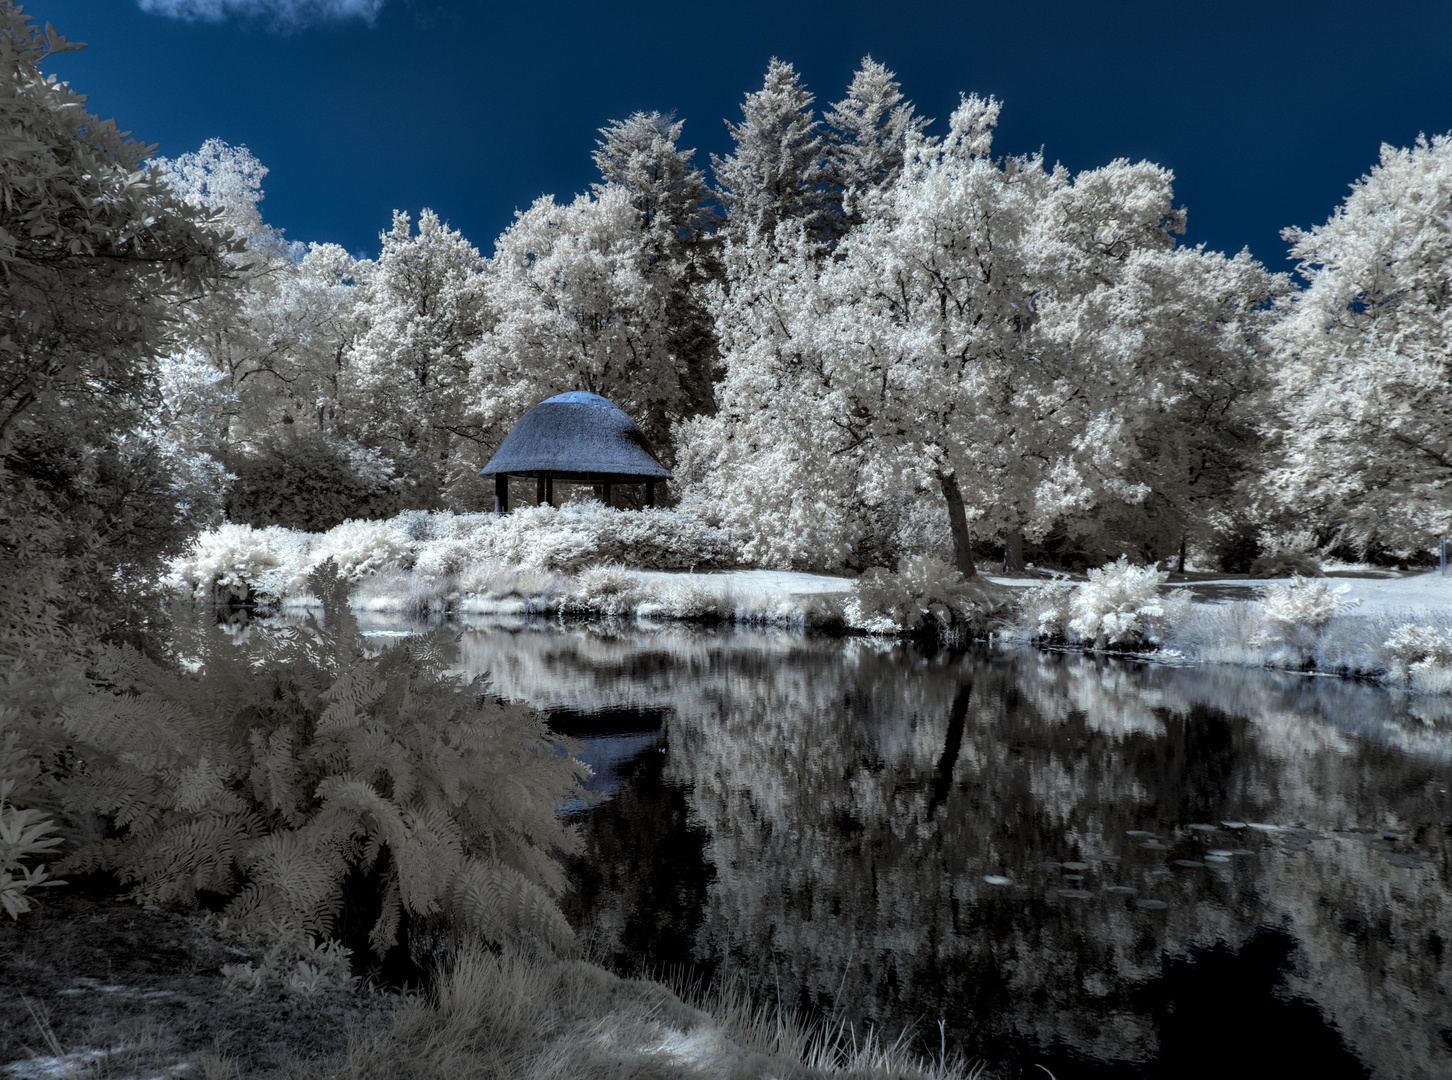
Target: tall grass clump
(521,1017)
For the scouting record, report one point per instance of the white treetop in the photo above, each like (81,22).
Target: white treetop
(1364,382)
(779,169)
(406,379)
(580,305)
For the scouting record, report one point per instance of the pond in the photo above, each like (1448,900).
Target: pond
(1091,865)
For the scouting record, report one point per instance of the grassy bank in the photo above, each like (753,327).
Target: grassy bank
(105,989)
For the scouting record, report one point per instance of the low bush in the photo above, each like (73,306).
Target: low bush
(583,534)
(362,548)
(924,592)
(227,565)
(1420,657)
(1302,604)
(1123,606)
(312,482)
(242,564)
(295,771)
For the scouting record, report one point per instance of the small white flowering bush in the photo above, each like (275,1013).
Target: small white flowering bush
(1420,657)
(1308,603)
(227,564)
(361,548)
(923,590)
(1045,610)
(1122,606)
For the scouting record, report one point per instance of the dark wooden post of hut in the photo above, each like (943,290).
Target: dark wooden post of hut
(576,438)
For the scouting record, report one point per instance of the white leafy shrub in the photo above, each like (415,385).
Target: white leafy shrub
(361,548)
(923,590)
(1045,610)
(1308,603)
(1420,657)
(1122,605)
(606,590)
(572,537)
(227,563)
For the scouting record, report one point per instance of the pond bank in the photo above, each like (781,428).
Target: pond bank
(102,987)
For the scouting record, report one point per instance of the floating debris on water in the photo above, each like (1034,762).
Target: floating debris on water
(1076,866)
(1154,845)
(1138,832)
(1233,824)
(1120,890)
(1074,894)
(997,879)
(1151,905)
(1190,862)
(1217,858)
(1202,828)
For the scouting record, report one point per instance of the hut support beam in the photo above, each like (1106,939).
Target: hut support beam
(539,490)
(501,493)
(650,493)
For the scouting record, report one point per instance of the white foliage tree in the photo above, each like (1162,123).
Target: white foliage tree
(778,171)
(995,332)
(407,386)
(1364,386)
(580,304)
(277,336)
(869,131)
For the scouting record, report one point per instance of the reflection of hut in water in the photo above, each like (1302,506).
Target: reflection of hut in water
(575,438)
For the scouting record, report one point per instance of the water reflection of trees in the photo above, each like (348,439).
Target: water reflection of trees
(846,800)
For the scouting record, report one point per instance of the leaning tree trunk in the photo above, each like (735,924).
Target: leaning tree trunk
(958,520)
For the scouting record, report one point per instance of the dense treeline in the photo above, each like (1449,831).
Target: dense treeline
(862,341)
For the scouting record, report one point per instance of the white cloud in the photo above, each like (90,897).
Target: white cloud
(282,14)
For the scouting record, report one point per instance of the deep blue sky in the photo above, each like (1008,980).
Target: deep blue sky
(1265,110)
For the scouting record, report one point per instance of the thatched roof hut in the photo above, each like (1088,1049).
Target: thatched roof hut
(575,438)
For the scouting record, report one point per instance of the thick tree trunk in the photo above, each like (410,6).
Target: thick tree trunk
(1013,552)
(958,520)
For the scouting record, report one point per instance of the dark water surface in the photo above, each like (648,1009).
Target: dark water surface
(1094,866)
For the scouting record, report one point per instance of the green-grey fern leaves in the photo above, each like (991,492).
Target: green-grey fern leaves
(283,768)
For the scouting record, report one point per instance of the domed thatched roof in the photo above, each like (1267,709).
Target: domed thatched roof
(577,436)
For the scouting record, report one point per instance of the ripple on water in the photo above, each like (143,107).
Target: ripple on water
(1151,905)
